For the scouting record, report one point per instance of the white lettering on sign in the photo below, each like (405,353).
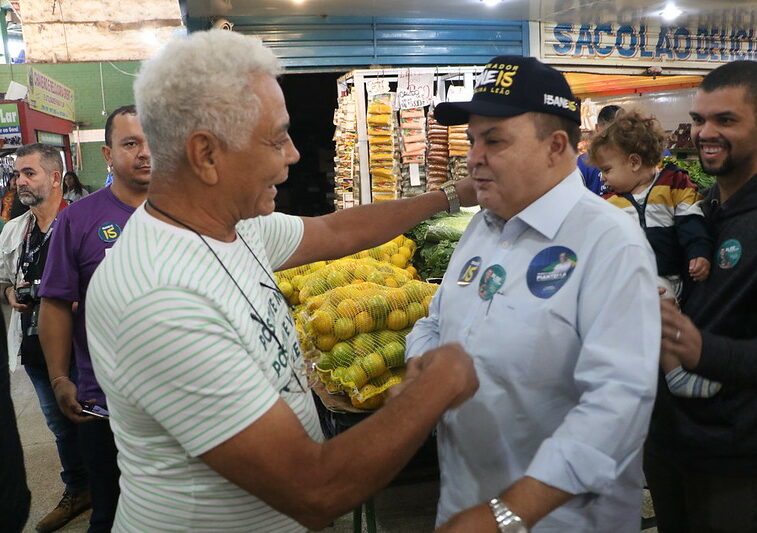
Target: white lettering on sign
(8,117)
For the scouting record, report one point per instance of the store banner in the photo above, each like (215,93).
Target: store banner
(699,46)
(10,126)
(414,89)
(48,96)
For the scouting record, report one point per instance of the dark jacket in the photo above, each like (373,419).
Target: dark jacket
(719,434)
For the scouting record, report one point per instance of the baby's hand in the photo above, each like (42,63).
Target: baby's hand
(699,268)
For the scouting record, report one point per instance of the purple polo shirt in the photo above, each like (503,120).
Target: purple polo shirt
(83,232)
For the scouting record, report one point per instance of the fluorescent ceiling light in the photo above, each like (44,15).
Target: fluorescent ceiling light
(671,11)
(491,3)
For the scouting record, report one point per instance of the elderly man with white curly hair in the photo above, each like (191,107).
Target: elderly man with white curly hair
(194,345)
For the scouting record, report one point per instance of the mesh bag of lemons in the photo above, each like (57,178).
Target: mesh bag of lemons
(352,315)
(387,264)
(360,331)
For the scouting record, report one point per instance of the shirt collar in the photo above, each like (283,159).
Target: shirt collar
(548,212)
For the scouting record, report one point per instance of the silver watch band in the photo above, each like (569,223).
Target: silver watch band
(448,188)
(507,521)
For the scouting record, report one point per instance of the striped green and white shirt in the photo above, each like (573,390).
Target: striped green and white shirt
(185,367)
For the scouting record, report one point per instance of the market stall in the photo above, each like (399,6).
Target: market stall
(20,125)
(388,145)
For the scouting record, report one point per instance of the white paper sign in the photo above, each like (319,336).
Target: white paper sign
(415,175)
(377,86)
(414,89)
(457,93)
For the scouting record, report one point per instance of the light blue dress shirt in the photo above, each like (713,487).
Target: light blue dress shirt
(559,309)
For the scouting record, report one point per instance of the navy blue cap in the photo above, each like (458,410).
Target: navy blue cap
(510,86)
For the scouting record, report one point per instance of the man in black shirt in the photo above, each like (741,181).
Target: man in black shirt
(24,242)
(701,454)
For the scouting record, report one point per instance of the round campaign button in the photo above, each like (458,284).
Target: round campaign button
(549,270)
(491,280)
(109,232)
(469,271)
(729,254)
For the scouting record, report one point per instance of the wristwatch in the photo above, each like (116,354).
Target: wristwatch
(507,521)
(448,188)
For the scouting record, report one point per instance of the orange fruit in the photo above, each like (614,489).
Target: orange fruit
(344,328)
(364,322)
(355,375)
(347,308)
(415,312)
(373,364)
(397,320)
(325,342)
(322,322)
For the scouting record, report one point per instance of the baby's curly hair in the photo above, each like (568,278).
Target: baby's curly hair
(632,133)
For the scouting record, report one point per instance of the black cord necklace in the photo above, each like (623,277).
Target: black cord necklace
(255,315)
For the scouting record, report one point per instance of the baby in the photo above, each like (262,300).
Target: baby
(665,203)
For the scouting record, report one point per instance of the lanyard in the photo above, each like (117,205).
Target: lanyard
(27,256)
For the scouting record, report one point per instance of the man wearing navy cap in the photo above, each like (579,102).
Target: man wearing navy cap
(561,319)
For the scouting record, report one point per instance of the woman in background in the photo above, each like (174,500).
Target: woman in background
(72,187)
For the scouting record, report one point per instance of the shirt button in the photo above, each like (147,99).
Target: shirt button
(505,244)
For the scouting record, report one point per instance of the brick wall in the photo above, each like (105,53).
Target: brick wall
(84,80)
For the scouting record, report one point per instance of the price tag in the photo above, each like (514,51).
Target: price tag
(414,89)
(415,175)
(377,86)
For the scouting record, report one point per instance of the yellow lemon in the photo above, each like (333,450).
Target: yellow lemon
(390,248)
(322,322)
(391,282)
(398,260)
(369,403)
(410,269)
(407,252)
(355,375)
(373,364)
(286,289)
(415,312)
(316,302)
(364,322)
(394,354)
(427,302)
(342,354)
(344,328)
(325,342)
(294,299)
(397,320)
(347,308)
(376,277)
(397,299)
(297,281)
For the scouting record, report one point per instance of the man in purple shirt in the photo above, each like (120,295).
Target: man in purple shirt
(82,239)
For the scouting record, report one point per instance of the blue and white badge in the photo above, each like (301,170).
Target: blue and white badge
(549,270)
(109,232)
(491,280)
(469,271)
(729,254)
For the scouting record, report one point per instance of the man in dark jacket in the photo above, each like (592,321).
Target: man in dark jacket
(701,455)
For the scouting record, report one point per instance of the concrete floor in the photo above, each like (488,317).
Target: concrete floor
(402,508)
